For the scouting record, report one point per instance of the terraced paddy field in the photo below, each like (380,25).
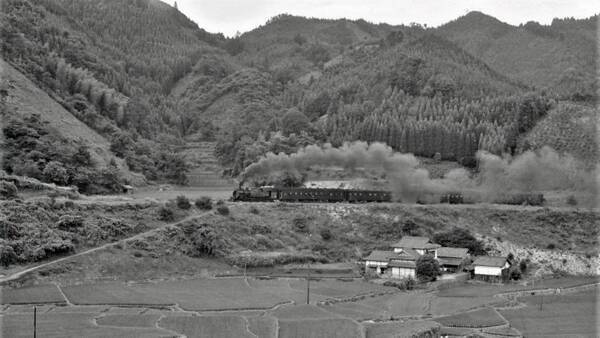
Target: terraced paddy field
(236,307)
(568,315)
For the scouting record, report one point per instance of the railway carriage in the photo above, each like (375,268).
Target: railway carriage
(269,194)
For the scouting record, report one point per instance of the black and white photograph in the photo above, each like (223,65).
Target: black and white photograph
(299,168)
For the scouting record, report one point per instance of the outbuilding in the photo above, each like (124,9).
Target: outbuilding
(491,268)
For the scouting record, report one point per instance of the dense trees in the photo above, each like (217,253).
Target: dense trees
(111,64)
(32,151)
(459,238)
(427,268)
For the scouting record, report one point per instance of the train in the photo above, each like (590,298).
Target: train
(324,195)
(328,195)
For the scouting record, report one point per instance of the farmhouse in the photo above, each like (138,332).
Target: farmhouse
(452,259)
(405,264)
(378,260)
(491,268)
(421,245)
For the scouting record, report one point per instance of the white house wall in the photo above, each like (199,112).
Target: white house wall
(488,270)
(403,272)
(376,264)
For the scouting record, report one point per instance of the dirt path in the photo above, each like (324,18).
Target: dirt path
(22,273)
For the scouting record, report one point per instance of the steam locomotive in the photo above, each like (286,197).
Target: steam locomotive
(327,195)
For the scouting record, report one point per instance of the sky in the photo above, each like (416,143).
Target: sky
(231,16)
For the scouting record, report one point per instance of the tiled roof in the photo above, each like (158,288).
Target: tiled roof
(381,256)
(452,252)
(415,242)
(450,261)
(402,264)
(493,261)
(408,254)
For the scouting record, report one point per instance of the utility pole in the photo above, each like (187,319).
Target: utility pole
(34,322)
(308,287)
(541,301)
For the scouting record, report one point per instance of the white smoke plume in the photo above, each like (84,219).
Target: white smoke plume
(498,176)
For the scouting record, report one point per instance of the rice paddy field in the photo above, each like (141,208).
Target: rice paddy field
(569,315)
(236,307)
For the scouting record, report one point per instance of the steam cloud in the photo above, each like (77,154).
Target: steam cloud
(497,177)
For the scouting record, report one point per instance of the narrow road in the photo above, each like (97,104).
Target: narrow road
(20,274)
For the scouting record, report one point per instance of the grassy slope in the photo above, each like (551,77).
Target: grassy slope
(25,98)
(356,230)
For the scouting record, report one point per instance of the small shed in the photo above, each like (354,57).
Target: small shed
(127,189)
(491,268)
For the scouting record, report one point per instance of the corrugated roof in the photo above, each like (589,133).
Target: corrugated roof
(413,242)
(402,264)
(450,261)
(381,256)
(493,261)
(452,252)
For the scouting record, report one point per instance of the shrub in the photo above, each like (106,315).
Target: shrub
(254,210)
(460,238)
(8,190)
(206,242)
(68,222)
(523,266)
(410,228)
(220,202)
(9,230)
(515,274)
(551,246)
(183,202)
(427,268)
(300,224)
(468,161)
(7,255)
(204,203)
(326,234)
(223,210)
(260,229)
(405,284)
(55,172)
(166,213)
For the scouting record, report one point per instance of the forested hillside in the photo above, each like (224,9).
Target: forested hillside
(112,65)
(560,56)
(149,80)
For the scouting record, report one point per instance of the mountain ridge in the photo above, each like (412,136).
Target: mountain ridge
(150,84)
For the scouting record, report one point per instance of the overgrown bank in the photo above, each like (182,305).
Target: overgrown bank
(274,234)
(34,231)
